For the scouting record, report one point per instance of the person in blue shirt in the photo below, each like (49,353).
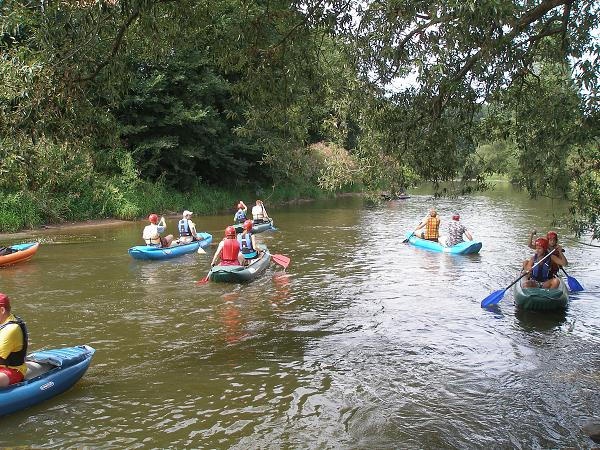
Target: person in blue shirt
(241,214)
(248,248)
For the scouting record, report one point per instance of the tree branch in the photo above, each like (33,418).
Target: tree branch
(493,48)
(116,44)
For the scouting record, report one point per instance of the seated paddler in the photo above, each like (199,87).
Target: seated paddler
(228,250)
(187,228)
(540,269)
(248,248)
(152,232)
(431,223)
(241,214)
(259,213)
(13,345)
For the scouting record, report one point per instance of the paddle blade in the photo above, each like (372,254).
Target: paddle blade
(203,280)
(408,238)
(201,251)
(493,299)
(574,284)
(282,260)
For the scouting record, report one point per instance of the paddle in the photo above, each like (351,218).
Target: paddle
(574,285)
(408,237)
(205,279)
(495,297)
(201,251)
(282,260)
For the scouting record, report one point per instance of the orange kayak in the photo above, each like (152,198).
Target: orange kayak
(23,253)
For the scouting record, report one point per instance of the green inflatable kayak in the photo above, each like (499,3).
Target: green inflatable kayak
(241,274)
(539,299)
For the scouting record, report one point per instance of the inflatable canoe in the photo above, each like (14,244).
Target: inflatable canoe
(241,274)
(154,252)
(539,299)
(49,373)
(23,253)
(257,228)
(464,248)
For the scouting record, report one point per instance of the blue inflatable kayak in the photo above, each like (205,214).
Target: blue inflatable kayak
(153,252)
(49,373)
(464,248)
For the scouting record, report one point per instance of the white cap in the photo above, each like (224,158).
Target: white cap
(187,213)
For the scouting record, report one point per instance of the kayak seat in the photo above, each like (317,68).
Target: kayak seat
(35,369)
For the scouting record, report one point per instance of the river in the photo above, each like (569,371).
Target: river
(364,342)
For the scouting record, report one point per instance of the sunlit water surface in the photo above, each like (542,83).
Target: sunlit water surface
(364,342)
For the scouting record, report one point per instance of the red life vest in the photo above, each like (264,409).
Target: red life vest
(231,249)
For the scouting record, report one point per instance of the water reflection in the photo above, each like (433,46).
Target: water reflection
(540,320)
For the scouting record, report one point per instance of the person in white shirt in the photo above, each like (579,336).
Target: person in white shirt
(259,213)
(187,228)
(152,232)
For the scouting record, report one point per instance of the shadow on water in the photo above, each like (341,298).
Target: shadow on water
(540,320)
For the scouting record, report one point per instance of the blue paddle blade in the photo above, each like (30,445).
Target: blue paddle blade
(574,284)
(493,299)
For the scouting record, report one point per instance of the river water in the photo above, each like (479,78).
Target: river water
(364,342)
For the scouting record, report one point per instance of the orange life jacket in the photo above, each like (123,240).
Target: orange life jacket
(432,228)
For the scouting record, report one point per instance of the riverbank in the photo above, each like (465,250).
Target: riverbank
(95,223)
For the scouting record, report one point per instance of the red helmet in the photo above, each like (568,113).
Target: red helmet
(542,242)
(248,225)
(552,234)
(229,231)
(153,218)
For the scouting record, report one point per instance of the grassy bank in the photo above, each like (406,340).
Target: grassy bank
(25,210)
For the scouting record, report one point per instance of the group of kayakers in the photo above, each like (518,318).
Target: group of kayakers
(237,250)
(542,267)
(259,213)
(547,260)
(429,229)
(234,249)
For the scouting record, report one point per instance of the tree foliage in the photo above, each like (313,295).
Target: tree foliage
(188,91)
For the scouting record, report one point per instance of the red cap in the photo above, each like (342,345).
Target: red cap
(552,234)
(248,225)
(4,300)
(229,231)
(542,242)
(153,218)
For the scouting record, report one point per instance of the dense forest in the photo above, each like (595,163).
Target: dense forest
(118,108)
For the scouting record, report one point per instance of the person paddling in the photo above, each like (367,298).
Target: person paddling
(552,237)
(13,345)
(187,228)
(228,250)
(247,240)
(541,276)
(152,232)
(259,213)
(456,230)
(432,227)
(240,215)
